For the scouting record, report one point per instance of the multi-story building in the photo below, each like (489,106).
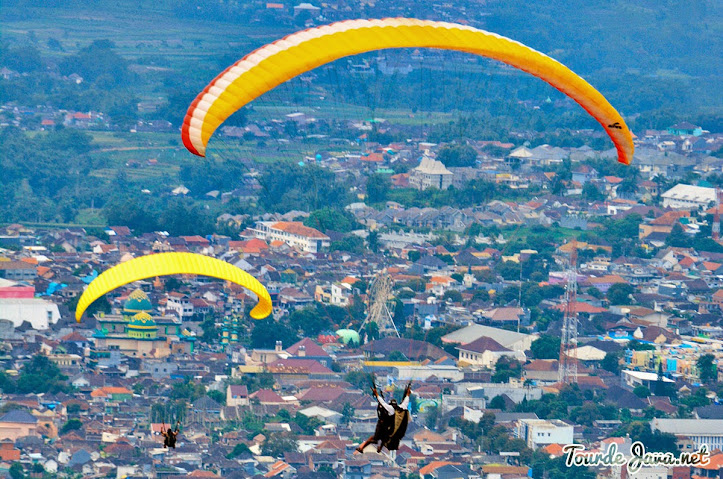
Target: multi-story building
(180,304)
(540,432)
(17,270)
(691,434)
(294,234)
(688,197)
(430,174)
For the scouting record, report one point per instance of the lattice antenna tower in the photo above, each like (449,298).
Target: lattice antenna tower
(380,291)
(567,372)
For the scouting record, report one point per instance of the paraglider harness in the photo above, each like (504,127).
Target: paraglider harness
(390,429)
(169,435)
(398,423)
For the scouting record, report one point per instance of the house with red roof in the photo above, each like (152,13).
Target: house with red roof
(308,349)
(299,369)
(267,396)
(237,395)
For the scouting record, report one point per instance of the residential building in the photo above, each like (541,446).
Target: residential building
(180,304)
(17,423)
(17,270)
(485,352)
(237,395)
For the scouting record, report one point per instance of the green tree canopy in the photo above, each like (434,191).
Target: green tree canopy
(457,155)
(545,347)
(620,293)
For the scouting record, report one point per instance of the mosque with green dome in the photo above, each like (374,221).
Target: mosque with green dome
(135,332)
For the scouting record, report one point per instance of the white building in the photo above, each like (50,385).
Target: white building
(688,197)
(633,379)
(293,233)
(692,433)
(180,305)
(541,432)
(324,414)
(38,312)
(430,174)
(341,294)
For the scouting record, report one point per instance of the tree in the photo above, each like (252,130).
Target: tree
(611,362)
(378,187)
(71,425)
(41,375)
(506,368)
(545,347)
(310,320)
(239,449)
(327,219)
(620,293)
(397,356)
(267,331)
(706,368)
(187,390)
(17,471)
(217,396)
(591,193)
(276,444)
(452,295)
(498,402)
(373,241)
(432,417)
(347,413)
(457,155)
(678,238)
(641,391)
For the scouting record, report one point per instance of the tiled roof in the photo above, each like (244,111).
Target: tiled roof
(297,228)
(19,416)
(312,349)
(483,344)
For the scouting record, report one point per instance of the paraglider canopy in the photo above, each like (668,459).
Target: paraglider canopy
(275,63)
(163,264)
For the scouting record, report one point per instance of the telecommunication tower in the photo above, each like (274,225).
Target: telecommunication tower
(567,369)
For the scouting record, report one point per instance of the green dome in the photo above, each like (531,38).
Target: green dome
(142,321)
(138,302)
(348,335)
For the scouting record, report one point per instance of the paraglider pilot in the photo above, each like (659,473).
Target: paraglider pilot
(391,423)
(169,435)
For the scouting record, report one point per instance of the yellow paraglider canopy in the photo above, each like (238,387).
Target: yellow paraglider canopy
(164,264)
(275,63)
